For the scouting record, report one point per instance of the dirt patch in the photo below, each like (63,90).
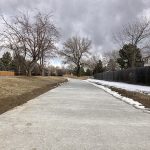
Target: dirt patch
(144,99)
(19,90)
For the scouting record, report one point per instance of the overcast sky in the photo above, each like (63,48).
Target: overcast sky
(95,19)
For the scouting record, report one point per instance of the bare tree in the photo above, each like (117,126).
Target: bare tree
(114,54)
(110,60)
(31,37)
(92,61)
(134,33)
(75,50)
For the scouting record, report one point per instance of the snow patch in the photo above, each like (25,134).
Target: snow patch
(130,101)
(125,86)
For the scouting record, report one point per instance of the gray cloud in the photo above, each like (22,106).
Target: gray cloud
(96,19)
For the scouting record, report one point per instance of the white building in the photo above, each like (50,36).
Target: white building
(146,61)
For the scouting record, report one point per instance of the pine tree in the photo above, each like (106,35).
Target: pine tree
(98,68)
(130,56)
(88,72)
(6,61)
(81,73)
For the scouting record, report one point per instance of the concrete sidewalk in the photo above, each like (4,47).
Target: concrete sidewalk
(75,116)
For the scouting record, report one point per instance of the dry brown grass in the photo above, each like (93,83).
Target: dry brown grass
(15,91)
(144,99)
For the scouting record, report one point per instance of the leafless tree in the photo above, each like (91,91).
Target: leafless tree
(114,54)
(92,61)
(134,33)
(75,50)
(31,37)
(110,60)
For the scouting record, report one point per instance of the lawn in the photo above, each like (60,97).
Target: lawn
(15,91)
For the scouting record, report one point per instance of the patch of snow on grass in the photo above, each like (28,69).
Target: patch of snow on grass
(125,86)
(115,94)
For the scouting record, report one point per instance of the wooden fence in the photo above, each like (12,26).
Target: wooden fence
(7,73)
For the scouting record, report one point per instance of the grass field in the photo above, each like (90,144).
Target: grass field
(15,91)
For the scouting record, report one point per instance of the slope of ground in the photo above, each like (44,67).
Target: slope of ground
(15,91)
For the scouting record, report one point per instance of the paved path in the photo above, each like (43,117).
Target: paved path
(75,116)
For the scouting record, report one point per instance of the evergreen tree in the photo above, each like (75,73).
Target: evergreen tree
(98,68)
(88,72)
(6,62)
(18,65)
(130,56)
(1,65)
(81,73)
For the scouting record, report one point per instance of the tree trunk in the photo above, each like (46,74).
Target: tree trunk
(78,71)
(31,67)
(30,73)
(43,72)
(19,70)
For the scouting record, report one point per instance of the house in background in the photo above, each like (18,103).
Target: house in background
(146,61)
